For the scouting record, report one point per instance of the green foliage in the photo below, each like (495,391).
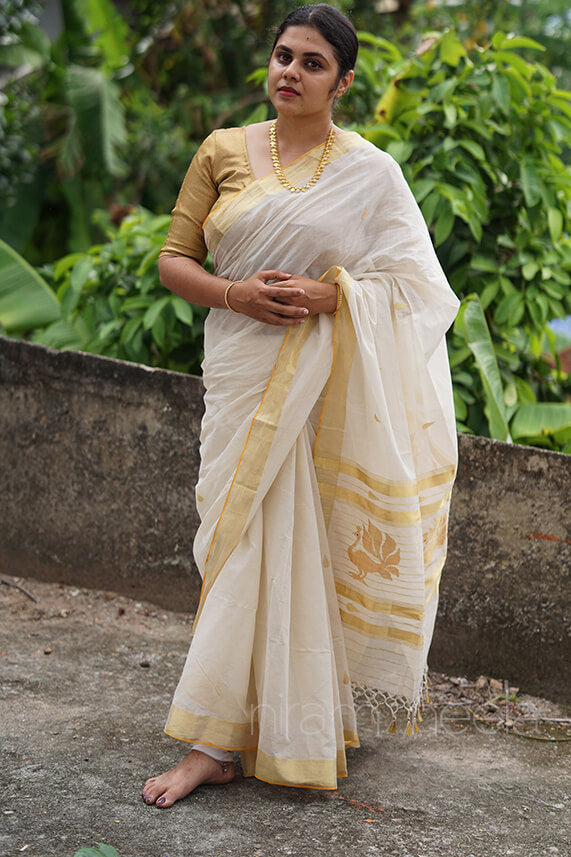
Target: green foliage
(479,135)
(160,150)
(500,223)
(26,301)
(14,13)
(18,147)
(78,136)
(546,21)
(112,302)
(515,393)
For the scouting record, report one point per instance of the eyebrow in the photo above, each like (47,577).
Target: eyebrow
(305,53)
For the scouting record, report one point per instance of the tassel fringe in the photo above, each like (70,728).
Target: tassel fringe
(378,700)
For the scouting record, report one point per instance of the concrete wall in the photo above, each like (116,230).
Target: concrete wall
(98,461)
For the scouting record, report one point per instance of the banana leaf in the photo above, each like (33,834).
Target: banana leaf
(541,418)
(478,339)
(26,300)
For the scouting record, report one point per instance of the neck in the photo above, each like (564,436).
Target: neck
(304,133)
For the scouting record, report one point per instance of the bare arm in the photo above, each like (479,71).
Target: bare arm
(253,297)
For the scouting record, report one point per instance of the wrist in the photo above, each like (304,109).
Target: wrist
(227,294)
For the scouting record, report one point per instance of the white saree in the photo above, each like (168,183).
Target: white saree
(328,457)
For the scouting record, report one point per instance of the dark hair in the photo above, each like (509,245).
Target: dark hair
(333,26)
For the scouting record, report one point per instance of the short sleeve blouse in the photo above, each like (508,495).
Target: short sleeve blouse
(220,169)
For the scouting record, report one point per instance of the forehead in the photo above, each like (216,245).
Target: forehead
(305,39)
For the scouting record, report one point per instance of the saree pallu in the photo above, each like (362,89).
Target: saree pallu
(328,457)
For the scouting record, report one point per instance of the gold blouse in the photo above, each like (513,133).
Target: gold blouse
(220,169)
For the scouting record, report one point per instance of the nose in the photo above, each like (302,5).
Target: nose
(291,71)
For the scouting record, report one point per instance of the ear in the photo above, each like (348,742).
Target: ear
(344,83)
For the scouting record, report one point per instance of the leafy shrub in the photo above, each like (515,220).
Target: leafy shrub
(480,135)
(112,302)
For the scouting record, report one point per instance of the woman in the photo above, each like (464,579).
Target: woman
(328,446)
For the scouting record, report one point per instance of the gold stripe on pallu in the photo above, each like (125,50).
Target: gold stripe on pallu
(253,458)
(387,488)
(408,638)
(378,605)
(300,773)
(353,498)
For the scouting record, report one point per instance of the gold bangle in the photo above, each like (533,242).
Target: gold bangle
(235,283)
(339,299)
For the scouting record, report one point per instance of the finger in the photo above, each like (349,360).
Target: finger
(283,321)
(277,293)
(289,310)
(273,274)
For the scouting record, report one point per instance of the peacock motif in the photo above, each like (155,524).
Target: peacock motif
(373,552)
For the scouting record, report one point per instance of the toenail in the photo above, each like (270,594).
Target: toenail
(161,800)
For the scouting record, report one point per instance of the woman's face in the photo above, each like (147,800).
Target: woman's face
(302,74)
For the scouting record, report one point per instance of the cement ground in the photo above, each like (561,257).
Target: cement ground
(87,679)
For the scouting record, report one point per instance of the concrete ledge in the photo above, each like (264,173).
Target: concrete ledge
(98,461)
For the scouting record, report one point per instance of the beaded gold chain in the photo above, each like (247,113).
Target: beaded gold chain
(278,167)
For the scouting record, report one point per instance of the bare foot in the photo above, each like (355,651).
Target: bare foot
(194,770)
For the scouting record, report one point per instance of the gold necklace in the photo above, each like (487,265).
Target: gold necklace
(278,167)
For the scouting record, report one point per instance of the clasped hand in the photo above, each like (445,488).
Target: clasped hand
(286,302)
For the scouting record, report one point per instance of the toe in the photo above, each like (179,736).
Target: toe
(151,791)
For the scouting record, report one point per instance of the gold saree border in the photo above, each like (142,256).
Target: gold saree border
(329,435)
(299,773)
(206,729)
(251,463)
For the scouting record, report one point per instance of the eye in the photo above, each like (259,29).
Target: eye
(313,64)
(283,57)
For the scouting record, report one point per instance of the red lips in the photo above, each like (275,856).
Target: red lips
(287,90)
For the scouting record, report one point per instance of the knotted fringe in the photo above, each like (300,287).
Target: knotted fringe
(379,700)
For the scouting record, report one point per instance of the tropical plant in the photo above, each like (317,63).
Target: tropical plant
(79,129)
(479,135)
(111,301)
(26,300)
(546,21)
